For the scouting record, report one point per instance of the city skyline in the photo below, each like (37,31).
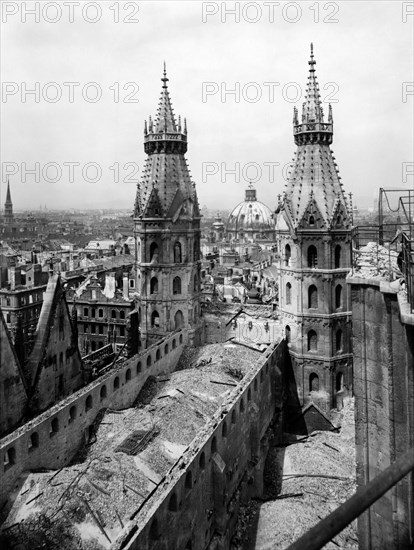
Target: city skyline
(229,140)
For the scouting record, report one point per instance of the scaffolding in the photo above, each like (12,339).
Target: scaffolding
(393,232)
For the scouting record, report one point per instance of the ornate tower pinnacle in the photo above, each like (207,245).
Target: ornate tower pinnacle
(164,136)
(166,171)
(312,129)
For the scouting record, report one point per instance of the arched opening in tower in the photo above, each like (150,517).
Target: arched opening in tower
(178,320)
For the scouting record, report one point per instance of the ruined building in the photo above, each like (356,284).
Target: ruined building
(167,230)
(313,235)
(51,371)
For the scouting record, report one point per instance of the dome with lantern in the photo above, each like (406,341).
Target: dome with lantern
(251,220)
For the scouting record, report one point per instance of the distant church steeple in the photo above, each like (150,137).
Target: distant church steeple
(8,206)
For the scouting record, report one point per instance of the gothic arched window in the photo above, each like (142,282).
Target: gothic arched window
(337,256)
(312,341)
(287,333)
(155,319)
(153,252)
(313,382)
(312,297)
(312,256)
(287,254)
(288,294)
(177,253)
(154,285)
(178,320)
(176,285)
(338,296)
(339,381)
(338,340)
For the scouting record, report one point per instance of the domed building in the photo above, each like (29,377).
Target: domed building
(251,220)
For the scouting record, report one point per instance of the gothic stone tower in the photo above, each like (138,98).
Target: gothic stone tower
(8,207)
(167,230)
(313,235)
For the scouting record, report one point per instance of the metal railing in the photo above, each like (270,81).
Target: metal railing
(334,523)
(407,266)
(394,233)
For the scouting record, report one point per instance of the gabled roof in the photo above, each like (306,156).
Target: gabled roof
(8,350)
(153,208)
(53,295)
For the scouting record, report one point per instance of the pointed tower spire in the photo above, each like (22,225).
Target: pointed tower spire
(165,120)
(8,196)
(314,175)
(166,170)
(8,206)
(313,128)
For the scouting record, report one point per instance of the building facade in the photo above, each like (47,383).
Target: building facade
(313,236)
(104,314)
(167,230)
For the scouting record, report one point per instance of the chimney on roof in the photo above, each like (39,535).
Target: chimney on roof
(109,290)
(15,277)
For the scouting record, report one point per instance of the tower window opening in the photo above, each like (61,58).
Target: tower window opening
(155,319)
(339,381)
(288,254)
(178,320)
(312,297)
(311,220)
(177,253)
(312,341)
(338,343)
(312,256)
(287,333)
(153,252)
(337,256)
(338,296)
(153,285)
(313,382)
(176,285)
(288,294)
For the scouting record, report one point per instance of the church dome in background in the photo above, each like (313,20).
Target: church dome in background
(251,219)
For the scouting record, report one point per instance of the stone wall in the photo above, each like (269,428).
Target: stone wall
(13,395)
(247,329)
(52,438)
(196,505)
(383,343)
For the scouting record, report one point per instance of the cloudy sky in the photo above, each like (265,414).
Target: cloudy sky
(96,67)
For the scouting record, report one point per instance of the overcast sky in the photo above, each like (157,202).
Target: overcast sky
(364,54)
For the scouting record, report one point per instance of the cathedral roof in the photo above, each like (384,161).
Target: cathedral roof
(250,214)
(313,188)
